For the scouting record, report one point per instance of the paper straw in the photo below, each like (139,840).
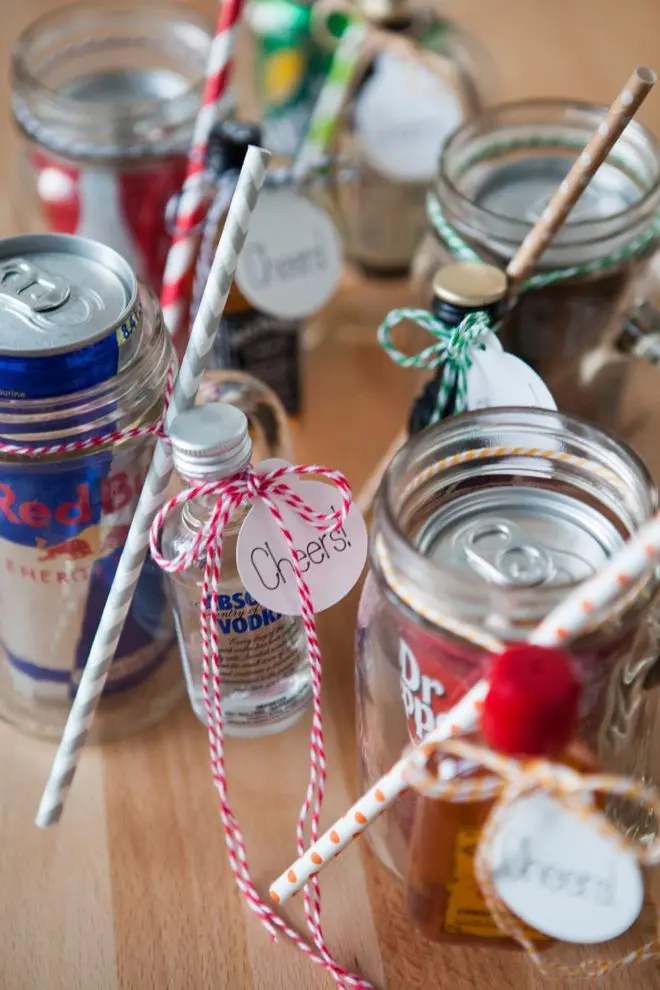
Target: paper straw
(330,100)
(565,622)
(596,151)
(133,555)
(190,206)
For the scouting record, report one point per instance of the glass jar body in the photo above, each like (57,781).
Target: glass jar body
(64,523)
(496,175)
(393,142)
(105,100)
(410,668)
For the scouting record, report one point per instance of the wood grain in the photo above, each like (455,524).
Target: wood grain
(133,890)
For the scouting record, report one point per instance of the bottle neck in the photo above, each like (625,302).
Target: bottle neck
(452,315)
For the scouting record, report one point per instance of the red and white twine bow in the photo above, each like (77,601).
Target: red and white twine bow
(231,493)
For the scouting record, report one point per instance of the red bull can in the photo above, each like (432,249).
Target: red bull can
(69,317)
(83,351)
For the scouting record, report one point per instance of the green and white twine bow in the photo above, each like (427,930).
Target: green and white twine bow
(463,252)
(452,351)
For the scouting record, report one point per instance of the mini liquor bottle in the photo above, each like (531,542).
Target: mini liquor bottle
(459,289)
(249,340)
(531,710)
(264,669)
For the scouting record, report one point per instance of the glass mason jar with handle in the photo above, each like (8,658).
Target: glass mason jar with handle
(84,353)
(105,99)
(397,115)
(496,176)
(484,522)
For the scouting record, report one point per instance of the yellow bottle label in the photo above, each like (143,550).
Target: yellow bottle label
(467,913)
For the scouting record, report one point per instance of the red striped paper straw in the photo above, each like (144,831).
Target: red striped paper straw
(191,206)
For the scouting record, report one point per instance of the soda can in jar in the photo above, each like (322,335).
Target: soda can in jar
(71,315)
(105,100)
(83,352)
(484,523)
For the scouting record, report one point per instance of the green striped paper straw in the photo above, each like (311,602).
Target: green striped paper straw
(331,98)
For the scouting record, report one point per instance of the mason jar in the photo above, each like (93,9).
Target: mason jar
(105,99)
(496,176)
(65,517)
(395,119)
(483,524)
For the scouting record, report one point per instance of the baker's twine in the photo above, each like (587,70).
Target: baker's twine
(249,486)
(98,440)
(462,251)
(511,779)
(451,354)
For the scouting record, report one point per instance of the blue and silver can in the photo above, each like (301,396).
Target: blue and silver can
(69,315)
(83,351)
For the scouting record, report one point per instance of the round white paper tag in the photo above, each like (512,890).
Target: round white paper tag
(403,116)
(500,379)
(291,262)
(331,563)
(561,877)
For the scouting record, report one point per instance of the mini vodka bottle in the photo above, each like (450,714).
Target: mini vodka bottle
(264,670)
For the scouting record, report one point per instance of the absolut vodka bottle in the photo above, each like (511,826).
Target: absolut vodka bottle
(264,670)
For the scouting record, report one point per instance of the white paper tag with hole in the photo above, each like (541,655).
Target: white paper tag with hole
(559,875)
(403,116)
(331,563)
(500,379)
(291,262)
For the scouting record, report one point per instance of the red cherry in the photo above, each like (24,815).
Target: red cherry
(532,704)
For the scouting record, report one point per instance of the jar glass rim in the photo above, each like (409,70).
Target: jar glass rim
(493,118)
(41,106)
(438,580)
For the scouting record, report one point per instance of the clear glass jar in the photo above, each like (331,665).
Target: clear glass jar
(63,524)
(493,543)
(496,176)
(105,99)
(398,113)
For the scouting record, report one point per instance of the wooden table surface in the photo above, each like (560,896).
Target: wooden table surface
(133,890)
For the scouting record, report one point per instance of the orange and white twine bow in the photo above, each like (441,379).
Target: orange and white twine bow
(232,493)
(511,779)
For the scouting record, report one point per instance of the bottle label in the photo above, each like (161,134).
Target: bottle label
(264,347)
(466,912)
(331,563)
(557,872)
(403,116)
(257,646)
(291,263)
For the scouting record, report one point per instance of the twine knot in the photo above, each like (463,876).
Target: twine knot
(450,355)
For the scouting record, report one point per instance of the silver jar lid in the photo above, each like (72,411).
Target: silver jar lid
(210,442)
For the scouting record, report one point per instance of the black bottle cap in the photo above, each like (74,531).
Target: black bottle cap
(228,144)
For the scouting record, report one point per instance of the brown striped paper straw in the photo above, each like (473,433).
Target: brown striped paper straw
(596,151)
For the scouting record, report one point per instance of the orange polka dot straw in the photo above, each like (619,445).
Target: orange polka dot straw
(566,622)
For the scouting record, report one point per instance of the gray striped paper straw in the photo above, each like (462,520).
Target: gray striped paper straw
(121,593)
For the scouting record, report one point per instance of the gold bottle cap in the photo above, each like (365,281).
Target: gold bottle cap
(470,284)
